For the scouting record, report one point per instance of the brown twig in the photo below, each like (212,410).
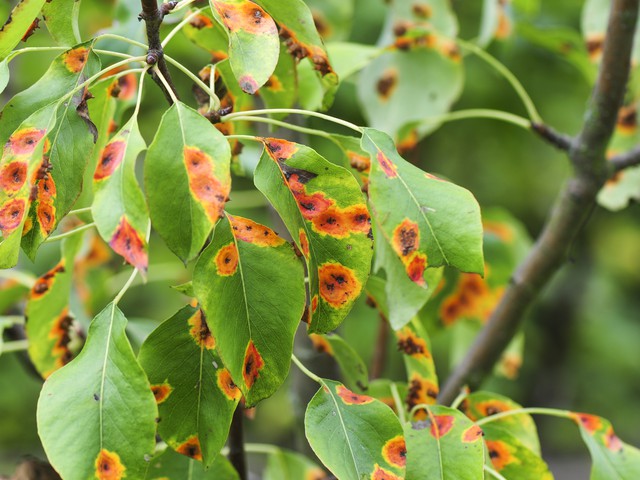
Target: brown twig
(570,211)
(380,353)
(237,455)
(556,139)
(153,16)
(625,160)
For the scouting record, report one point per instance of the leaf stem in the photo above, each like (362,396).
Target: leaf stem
(420,406)
(492,472)
(460,398)
(179,26)
(23,278)
(196,80)
(305,370)
(481,113)
(166,84)
(15,53)
(79,211)
(278,123)
(125,287)
(533,411)
(139,99)
(180,5)
(15,346)
(506,73)
(112,53)
(13,319)
(398,401)
(122,39)
(252,138)
(308,113)
(70,233)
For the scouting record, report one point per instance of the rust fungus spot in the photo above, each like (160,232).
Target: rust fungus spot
(24,142)
(161,392)
(127,85)
(510,365)
(11,214)
(191,448)
(591,423)
(410,344)
(449,48)
(358,218)
(380,473)
(126,241)
(251,232)
(361,163)
(46,214)
(406,238)
(416,266)
(505,27)
(253,363)
(315,473)
(395,452)
(43,284)
(321,23)
(501,230)
(274,84)
(388,167)
(280,149)
(12,176)
(332,222)
(492,407)
(387,83)
(247,17)
(611,441)
(204,185)
(338,284)
(421,10)
(472,434)
(227,385)
(201,21)
(60,332)
(226,260)
(441,425)
(304,243)
(627,119)
(108,466)
(75,59)
(420,391)
(110,159)
(320,343)
(46,188)
(31,30)
(595,42)
(351,398)
(248,84)
(314,303)
(200,331)
(499,454)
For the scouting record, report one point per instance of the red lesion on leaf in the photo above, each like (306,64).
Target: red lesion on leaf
(491,407)
(314,303)
(11,215)
(472,434)
(226,260)
(249,231)
(191,448)
(108,466)
(12,176)
(591,423)
(126,241)
(421,391)
(380,473)
(245,16)
(60,332)
(200,331)
(227,385)
(315,474)
(358,218)
(352,398)
(441,425)
(279,149)
(361,163)
(338,284)
(500,454)
(200,21)
(320,343)
(248,84)
(161,392)
(611,441)
(388,167)
(332,222)
(25,141)
(75,59)
(416,267)
(406,238)
(387,84)
(46,214)
(395,452)
(501,230)
(410,344)
(110,158)
(204,185)
(44,283)
(304,243)
(253,363)
(472,298)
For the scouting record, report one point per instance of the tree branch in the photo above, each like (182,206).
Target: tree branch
(570,211)
(556,139)
(625,160)
(153,16)
(237,455)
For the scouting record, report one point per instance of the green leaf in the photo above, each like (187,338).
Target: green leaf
(19,21)
(324,211)
(61,17)
(187,179)
(4,74)
(14,287)
(251,287)
(511,458)
(446,445)
(355,436)
(612,458)
(281,89)
(349,58)
(50,328)
(204,31)
(285,465)
(102,403)
(333,18)
(621,190)
(172,466)
(196,397)
(595,16)
(428,222)
(489,22)
(351,365)
(119,208)
(254,44)
(436,15)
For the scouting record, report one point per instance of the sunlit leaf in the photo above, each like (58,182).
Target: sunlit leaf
(324,211)
(284,465)
(349,58)
(61,17)
(102,404)
(351,365)
(19,21)
(251,287)
(281,89)
(194,391)
(355,436)
(4,75)
(172,466)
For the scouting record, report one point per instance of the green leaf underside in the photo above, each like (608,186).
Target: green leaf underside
(100,403)
(351,365)
(428,222)
(285,465)
(446,445)
(196,399)
(322,207)
(254,44)
(16,26)
(355,436)
(251,287)
(172,466)
(61,17)
(187,179)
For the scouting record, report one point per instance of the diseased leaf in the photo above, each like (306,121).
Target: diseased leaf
(445,445)
(323,209)
(254,44)
(333,18)
(281,89)
(349,58)
(251,287)
(102,403)
(351,365)
(355,436)
(285,465)
(187,179)
(119,208)
(204,31)
(4,74)
(61,17)
(511,458)
(194,391)
(170,465)
(19,21)
(382,389)
(595,16)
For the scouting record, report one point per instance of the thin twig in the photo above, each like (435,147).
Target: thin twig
(556,139)
(570,212)
(237,454)
(380,353)
(625,160)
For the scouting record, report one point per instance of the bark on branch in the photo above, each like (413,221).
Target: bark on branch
(570,212)
(625,160)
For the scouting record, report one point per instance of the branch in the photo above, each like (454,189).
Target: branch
(570,211)
(237,455)
(380,353)
(153,17)
(625,160)
(556,139)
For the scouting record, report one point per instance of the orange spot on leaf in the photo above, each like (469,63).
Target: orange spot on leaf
(361,163)
(253,363)
(416,266)
(314,303)
(338,284)
(75,59)
(472,434)
(200,331)
(492,407)
(358,218)
(380,473)
(201,21)
(108,466)
(11,215)
(204,185)
(406,238)
(60,332)
(46,214)
(191,448)
(591,423)
(110,159)
(441,425)
(395,452)
(161,392)
(24,142)
(421,391)
(387,84)
(245,16)
(227,385)
(332,222)
(410,344)
(126,241)
(252,232)
(500,230)
(388,167)
(351,398)
(44,283)
(500,454)
(611,441)
(12,176)
(320,343)
(304,246)
(279,149)
(226,260)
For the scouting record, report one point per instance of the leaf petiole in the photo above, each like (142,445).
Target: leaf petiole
(308,113)
(196,80)
(534,411)
(493,473)
(15,346)
(278,123)
(306,371)
(179,26)
(70,233)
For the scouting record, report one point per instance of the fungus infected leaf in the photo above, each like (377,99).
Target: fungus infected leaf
(61,17)
(612,458)
(281,89)
(428,222)
(119,209)
(595,15)
(204,31)
(254,44)
(102,403)
(4,74)
(333,18)
(351,365)
(19,21)
(511,458)
(50,324)
(170,465)
(355,436)
(251,287)
(445,445)
(285,465)
(187,179)
(325,213)
(194,391)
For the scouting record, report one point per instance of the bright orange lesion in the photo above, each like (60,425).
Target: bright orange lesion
(441,425)
(591,423)
(358,218)
(304,243)
(411,344)
(359,162)
(128,242)
(110,158)
(25,141)
(108,466)
(253,363)
(338,284)
(395,452)
(501,230)
(11,215)
(191,448)
(279,149)
(203,183)
(489,408)
(249,231)
(13,175)
(472,298)
(500,454)
(161,392)
(611,441)
(75,59)
(421,391)
(45,282)
(200,331)
(406,244)
(61,333)
(245,16)
(320,343)
(46,214)
(352,398)
(333,222)
(380,473)
(226,260)
(227,385)
(472,434)
(388,167)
